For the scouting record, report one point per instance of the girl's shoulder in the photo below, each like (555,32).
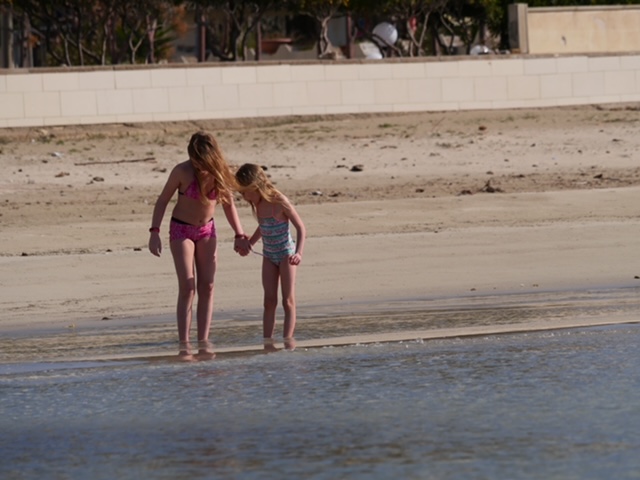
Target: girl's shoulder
(184,168)
(283,206)
(183,172)
(281,199)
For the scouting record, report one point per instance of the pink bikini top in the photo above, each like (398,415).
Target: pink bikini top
(193,192)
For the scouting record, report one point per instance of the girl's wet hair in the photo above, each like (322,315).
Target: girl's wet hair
(208,160)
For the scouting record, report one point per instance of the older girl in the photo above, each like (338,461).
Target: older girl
(201,182)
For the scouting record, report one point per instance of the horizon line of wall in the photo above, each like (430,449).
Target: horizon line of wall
(176,92)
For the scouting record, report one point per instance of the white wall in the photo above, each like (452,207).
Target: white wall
(585,29)
(213,91)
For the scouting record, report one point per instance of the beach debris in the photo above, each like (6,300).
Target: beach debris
(24,254)
(465,192)
(419,190)
(159,169)
(97,179)
(598,176)
(357,168)
(126,160)
(488,188)
(57,154)
(316,193)
(482,128)
(637,277)
(137,249)
(62,174)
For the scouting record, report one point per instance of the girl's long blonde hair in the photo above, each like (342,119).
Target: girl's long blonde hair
(209,163)
(252,177)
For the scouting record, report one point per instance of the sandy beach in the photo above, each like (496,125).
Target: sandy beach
(425,206)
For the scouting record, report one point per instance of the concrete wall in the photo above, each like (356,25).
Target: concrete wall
(575,30)
(215,91)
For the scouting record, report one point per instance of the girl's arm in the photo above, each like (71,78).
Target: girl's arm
(173,182)
(240,243)
(301,232)
(232,216)
(257,235)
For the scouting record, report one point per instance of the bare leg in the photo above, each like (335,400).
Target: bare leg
(183,253)
(270,278)
(205,257)
(288,280)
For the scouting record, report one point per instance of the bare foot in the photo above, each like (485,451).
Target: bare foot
(205,350)
(269,345)
(289,343)
(185,355)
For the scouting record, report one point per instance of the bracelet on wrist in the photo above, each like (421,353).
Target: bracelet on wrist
(155,229)
(240,235)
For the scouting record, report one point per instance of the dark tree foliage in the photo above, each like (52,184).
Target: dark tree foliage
(229,24)
(98,32)
(103,32)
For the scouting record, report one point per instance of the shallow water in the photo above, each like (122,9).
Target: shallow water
(556,404)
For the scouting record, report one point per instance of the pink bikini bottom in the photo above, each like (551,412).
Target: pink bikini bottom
(179,230)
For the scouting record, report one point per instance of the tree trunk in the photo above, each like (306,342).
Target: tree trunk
(7,39)
(324,42)
(27,51)
(151,34)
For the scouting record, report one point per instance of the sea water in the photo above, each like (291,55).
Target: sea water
(559,404)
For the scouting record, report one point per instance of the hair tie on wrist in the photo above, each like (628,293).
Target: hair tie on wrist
(155,229)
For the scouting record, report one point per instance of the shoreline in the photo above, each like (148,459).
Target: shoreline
(413,336)
(394,319)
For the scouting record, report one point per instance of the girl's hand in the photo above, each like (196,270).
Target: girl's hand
(155,244)
(295,259)
(242,246)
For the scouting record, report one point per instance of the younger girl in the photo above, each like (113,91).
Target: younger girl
(201,182)
(281,255)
